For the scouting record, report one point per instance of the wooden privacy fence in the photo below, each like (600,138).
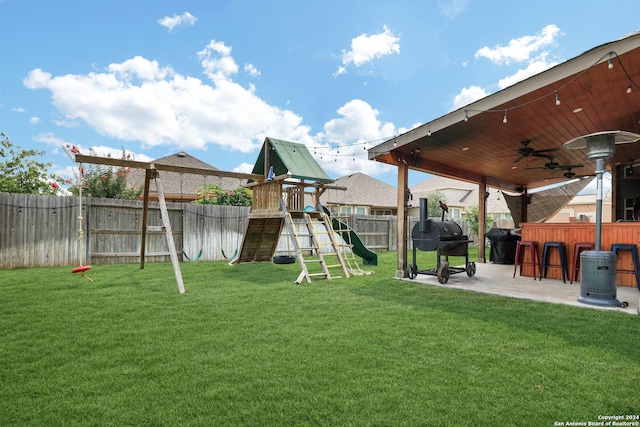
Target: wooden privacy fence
(42,231)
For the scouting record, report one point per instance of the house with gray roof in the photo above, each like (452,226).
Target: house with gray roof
(362,195)
(458,195)
(182,187)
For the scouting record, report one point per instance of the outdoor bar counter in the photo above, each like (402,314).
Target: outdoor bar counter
(571,233)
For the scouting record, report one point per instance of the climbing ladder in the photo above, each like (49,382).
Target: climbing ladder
(345,246)
(306,230)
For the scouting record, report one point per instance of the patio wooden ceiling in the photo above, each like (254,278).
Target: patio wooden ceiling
(593,97)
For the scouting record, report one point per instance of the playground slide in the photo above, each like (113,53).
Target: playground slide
(368,256)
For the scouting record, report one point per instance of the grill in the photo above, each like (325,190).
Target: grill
(444,237)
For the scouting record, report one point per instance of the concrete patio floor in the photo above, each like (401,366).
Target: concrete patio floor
(497,279)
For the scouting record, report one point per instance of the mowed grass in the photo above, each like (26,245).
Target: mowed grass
(246,346)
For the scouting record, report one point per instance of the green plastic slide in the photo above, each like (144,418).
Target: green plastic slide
(368,256)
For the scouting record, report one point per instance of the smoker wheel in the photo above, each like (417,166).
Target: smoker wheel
(412,271)
(443,273)
(471,269)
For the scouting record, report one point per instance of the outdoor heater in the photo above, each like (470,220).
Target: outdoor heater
(599,268)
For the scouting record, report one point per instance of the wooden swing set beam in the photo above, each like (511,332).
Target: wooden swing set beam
(160,167)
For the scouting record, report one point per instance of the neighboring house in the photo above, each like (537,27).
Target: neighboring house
(582,208)
(182,187)
(363,195)
(458,195)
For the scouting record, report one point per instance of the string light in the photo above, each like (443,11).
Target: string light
(322,149)
(556,93)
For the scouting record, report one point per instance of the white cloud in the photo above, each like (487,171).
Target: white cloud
(116,153)
(365,48)
(468,95)
(339,71)
(520,49)
(171,22)
(141,68)
(243,167)
(352,134)
(251,70)
(359,121)
(34,120)
(99,150)
(18,110)
(138,100)
(217,61)
(49,139)
(531,50)
(453,8)
(535,66)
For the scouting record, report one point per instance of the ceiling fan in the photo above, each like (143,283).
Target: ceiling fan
(527,151)
(569,174)
(552,164)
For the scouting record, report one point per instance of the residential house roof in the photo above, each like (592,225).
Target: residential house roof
(458,194)
(361,190)
(179,185)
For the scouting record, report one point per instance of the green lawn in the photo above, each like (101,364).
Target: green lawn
(246,346)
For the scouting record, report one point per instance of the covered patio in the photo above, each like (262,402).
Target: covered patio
(514,139)
(497,279)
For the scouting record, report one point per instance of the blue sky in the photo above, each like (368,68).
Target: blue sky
(214,78)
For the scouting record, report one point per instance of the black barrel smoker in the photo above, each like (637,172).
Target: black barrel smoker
(442,236)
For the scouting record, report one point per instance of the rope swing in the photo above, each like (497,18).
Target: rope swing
(82,269)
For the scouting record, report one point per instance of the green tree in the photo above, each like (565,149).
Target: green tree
(104,181)
(472,216)
(20,173)
(433,203)
(211,194)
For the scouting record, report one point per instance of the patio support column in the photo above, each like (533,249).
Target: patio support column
(482,215)
(525,206)
(403,189)
(614,194)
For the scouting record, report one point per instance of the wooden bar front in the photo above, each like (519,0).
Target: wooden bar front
(569,234)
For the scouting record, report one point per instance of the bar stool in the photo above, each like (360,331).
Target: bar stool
(533,254)
(577,250)
(634,254)
(562,252)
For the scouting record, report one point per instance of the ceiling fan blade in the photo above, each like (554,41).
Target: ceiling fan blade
(546,150)
(518,159)
(538,154)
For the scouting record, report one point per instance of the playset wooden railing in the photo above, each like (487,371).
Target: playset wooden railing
(266,197)
(268,194)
